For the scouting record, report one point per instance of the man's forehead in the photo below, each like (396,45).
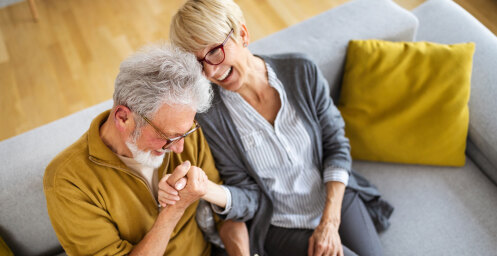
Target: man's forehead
(174,119)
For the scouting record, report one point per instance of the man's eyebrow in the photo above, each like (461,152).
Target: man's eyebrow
(173,134)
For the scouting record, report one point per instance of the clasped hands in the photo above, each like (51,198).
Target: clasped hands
(182,187)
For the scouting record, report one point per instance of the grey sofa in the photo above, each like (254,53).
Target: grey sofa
(438,210)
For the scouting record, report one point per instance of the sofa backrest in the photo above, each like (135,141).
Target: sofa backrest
(325,37)
(459,26)
(24,222)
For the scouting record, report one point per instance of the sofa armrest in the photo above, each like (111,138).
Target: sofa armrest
(24,221)
(446,22)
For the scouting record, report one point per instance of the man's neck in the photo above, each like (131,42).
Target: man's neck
(110,136)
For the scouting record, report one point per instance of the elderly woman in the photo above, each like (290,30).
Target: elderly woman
(278,142)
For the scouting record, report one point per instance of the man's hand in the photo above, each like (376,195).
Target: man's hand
(168,194)
(325,240)
(184,186)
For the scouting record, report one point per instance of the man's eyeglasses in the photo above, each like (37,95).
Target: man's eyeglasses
(172,141)
(216,55)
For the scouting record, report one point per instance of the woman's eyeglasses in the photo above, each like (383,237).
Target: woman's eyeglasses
(216,55)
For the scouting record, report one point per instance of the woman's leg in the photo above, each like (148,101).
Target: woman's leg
(357,230)
(285,242)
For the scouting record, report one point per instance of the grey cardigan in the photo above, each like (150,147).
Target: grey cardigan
(308,92)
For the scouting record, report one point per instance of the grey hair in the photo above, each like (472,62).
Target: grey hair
(161,74)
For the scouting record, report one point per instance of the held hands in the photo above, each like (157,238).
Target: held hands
(184,186)
(325,240)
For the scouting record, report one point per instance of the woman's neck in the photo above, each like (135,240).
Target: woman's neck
(256,84)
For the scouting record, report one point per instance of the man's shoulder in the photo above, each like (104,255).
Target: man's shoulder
(72,159)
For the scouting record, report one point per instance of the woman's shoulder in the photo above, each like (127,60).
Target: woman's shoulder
(216,112)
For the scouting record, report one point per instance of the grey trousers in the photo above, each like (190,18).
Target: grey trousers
(357,232)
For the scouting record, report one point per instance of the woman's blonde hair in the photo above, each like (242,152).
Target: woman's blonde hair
(200,23)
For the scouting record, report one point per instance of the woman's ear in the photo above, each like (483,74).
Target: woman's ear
(244,34)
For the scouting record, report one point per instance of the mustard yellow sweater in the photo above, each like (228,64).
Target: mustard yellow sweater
(98,206)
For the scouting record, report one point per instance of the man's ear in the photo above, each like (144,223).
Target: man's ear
(123,119)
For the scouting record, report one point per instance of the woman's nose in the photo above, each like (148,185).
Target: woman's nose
(210,70)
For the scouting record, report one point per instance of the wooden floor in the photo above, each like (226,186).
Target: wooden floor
(68,60)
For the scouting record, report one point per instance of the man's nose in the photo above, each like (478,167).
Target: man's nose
(178,146)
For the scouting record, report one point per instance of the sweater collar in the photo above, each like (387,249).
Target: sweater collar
(102,154)
(98,151)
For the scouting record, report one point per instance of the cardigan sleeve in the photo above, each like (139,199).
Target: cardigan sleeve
(336,147)
(245,193)
(310,92)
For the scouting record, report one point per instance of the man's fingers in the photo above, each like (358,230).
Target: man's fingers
(168,197)
(179,172)
(165,187)
(164,203)
(180,184)
(164,178)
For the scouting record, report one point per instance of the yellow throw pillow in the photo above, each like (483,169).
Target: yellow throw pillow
(407,102)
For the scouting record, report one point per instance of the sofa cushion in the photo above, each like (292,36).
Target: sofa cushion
(407,102)
(456,26)
(24,221)
(438,210)
(325,37)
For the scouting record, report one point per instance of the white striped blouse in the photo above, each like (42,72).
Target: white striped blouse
(282,157)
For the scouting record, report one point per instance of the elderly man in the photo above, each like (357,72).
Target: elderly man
(102,191)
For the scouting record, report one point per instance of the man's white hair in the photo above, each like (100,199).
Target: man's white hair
(161,74)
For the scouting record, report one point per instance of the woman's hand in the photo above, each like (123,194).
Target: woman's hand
(325,240)
(167,193)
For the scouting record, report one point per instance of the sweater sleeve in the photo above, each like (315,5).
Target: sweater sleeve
(82,227)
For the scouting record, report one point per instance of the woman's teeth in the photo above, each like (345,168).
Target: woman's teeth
(221,78)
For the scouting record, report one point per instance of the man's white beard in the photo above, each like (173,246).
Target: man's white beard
(145,157)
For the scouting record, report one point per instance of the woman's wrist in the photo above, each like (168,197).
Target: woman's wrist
(215,194)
